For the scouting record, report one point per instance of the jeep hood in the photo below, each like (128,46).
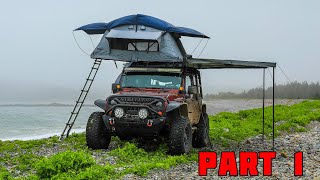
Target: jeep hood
(170,95)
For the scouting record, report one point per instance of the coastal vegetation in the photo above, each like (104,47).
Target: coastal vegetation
(293,90)
(71,159)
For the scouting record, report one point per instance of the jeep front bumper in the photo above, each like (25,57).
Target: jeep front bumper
(134,126)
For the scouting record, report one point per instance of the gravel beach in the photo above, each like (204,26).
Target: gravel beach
(285,145)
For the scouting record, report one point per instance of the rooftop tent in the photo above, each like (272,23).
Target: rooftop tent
(133,46)
(139,38)
(140,19)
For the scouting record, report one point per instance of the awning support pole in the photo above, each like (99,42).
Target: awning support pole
(273,109)
(263,97)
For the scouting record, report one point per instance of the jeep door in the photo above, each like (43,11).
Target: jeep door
(193,100)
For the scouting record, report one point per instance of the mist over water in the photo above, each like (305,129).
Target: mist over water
(21,122)
(42,63)
(35,122)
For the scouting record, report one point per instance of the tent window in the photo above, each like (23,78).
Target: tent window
(144,46)
(134,45)
(121,44)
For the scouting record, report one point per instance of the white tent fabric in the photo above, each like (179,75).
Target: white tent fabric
(132,34)
(169,50)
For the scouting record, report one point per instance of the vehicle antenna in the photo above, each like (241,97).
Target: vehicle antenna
(115,63)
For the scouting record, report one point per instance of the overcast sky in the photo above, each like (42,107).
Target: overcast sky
(40,61)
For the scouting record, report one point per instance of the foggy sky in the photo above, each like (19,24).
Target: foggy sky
(40,62)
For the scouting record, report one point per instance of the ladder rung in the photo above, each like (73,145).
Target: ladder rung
(81,99)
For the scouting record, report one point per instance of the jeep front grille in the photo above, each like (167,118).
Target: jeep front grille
(132,105)
(135,100)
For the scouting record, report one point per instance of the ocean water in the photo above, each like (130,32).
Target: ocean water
(35,122)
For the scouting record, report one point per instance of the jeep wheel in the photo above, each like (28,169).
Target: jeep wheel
(180,139)
(201,134)
(96,132)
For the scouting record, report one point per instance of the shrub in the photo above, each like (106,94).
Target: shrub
(64,162)
(137,161)
(97,172)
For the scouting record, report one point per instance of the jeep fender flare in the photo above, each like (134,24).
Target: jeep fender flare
(101,104)
(204,108)
(181,108)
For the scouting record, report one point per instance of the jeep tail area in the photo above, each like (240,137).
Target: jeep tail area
(151,101)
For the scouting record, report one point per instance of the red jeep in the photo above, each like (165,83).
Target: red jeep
(152,100)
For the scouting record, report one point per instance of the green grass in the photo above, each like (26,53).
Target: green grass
(65,162)
(226,127)
(75,161)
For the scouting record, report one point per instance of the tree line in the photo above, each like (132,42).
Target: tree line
(294,90)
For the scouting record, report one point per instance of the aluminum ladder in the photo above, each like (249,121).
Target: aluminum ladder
(81,99)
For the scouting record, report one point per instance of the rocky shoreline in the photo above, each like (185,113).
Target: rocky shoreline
(285,146)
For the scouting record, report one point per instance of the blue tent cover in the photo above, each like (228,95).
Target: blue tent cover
(140,19)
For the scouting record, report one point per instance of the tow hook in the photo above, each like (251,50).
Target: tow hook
(149,123)
(111,121)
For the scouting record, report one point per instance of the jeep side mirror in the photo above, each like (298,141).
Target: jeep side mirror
(192,89)
(114,88)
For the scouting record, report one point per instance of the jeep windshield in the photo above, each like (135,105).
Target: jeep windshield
(163,81)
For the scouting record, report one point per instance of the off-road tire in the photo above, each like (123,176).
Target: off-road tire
(180,137)
(201,134)
(97,135)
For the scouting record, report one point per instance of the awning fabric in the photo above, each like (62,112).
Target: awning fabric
(200,63)
(140,19)
(131,34)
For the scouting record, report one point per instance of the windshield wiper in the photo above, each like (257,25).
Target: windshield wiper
(132,88)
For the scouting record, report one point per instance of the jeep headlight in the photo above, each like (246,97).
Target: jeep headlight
(118,112)
(159,104)
(143,113)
